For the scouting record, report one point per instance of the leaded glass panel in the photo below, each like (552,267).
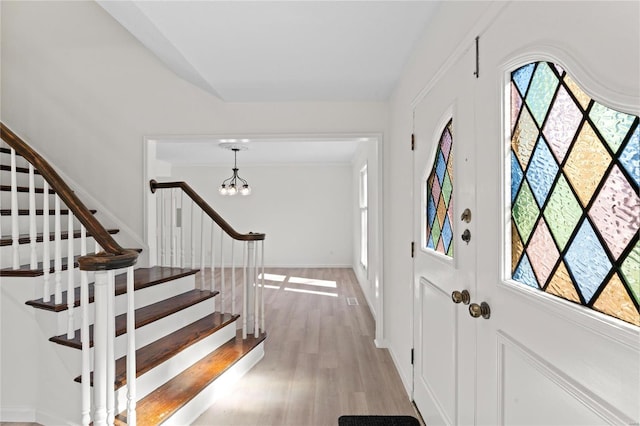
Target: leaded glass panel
(575,209)
(439,197)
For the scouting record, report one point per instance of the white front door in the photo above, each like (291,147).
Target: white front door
(538,358)
(444,346)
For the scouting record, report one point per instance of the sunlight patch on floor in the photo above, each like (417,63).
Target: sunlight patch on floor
(319,293)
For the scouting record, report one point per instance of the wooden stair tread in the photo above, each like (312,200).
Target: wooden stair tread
(39,212)
(7,168)
(163,402)
(7,188)
(26,271)
(144,315)
(165,348)
(142,278)
(26,239)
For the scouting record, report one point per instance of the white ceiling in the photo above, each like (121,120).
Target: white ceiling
(281,50)
(276,51)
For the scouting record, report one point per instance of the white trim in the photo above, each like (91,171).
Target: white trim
(581,394)
(484,22)
(603,325)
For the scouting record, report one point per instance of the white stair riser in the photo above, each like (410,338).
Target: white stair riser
(23,200)
(157,329)
(162,373)
(24,223)
(194,408)
(24,251)
(143,297)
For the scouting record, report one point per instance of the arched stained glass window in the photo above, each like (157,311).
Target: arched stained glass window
(439,199)
(575,210)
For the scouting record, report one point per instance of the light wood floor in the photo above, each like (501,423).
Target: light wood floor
(320,360)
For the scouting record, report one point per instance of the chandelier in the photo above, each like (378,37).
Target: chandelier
(235,184)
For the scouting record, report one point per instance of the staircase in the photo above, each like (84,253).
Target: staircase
(126,345)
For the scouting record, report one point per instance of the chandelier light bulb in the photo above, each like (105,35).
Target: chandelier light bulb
(232,190)
(223,189)
(245,190)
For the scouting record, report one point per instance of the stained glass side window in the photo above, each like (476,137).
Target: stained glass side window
(575,209)
(439,200)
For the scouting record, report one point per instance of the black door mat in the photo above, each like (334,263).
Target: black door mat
(378,421)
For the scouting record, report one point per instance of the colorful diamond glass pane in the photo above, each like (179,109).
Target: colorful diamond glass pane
(516,176)
(525,212)
(613,125)
(439,191)
(587,261)
(616,212)
(560,127)
(615,301)
(631,272)
(543,86)
(542,252)
(522,76)
(542,171)
(524,138)
(516,247)
(578,254)
(562,286)
(583,98)
(586,164)
(630,156)
(524,273)
(516,104)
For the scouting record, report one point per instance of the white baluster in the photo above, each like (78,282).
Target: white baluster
(111,359)
(262,325)
(85,338)
(32,218)
(245,284)
(46,245)
(233,278)
(70,284)
(15,230)
(182,234)
(100,354)
(172,230)
(213,263)
(202,266)
(222,274)
(256,306)
(57,256)
(223,279)
(131,351)
(97,249)
(159,228)
(162,232)
(193,235)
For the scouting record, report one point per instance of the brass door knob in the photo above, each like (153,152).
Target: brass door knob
(481,310)
(461,297)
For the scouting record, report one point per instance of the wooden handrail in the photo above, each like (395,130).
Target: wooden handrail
(251,236)
(114,256)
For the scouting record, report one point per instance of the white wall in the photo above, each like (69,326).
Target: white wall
(76,84)
(304,209)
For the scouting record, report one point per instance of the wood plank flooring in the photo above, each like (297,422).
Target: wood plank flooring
(320,360)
